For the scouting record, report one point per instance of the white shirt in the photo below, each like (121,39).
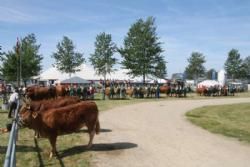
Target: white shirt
(13,97)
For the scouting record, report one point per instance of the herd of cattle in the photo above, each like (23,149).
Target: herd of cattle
(148,91)
(50,113)
(216,91)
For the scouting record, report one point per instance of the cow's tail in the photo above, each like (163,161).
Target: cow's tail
(97,126)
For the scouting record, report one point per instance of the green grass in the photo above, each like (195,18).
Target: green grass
(229,120)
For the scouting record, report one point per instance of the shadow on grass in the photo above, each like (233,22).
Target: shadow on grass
(101,130)
(97,147)
(117,98)
(19,148)
(38,150)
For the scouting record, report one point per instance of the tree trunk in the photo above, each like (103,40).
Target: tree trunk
(104,87)
(144,76)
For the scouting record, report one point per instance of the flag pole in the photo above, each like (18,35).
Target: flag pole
(19,63)
(20,69)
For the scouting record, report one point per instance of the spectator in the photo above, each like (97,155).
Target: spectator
(13,102)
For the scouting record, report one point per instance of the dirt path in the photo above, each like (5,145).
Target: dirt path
(157,134)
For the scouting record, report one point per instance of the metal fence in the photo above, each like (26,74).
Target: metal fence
(10,157)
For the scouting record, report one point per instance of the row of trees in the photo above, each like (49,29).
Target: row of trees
(141,53)
(235,66)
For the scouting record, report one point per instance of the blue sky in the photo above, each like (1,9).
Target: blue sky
(212,27)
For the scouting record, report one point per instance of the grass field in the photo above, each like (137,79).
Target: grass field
(229,120)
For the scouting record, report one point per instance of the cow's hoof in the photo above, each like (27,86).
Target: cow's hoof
(51,155)
(89,146)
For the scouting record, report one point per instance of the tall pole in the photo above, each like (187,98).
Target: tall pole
(18,62)
(17,70)
(20,70)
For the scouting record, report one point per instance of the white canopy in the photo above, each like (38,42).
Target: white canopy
(208,83)
(88,73)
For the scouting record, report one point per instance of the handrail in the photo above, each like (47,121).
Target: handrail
(10,157)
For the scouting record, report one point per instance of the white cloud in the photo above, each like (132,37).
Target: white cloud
(11,15)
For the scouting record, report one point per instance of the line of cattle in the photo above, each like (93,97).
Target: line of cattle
(216,91)
(38,93)
(145,91)
(51,115)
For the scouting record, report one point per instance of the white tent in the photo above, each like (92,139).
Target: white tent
(162,81)
(88,73)
(208,83)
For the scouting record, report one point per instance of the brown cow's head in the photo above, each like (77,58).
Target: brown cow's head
(27,115)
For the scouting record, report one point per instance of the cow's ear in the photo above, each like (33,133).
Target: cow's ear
(34,114)
(41,108)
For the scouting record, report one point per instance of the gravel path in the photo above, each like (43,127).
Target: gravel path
(157,134)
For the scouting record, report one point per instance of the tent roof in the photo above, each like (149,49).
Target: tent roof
(76,80)
(87,72)
(208,83)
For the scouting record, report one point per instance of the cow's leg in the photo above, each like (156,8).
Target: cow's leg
(91,131)
(91,137)
(37,134)
(52,140)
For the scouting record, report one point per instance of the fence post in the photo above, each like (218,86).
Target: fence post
(10,157)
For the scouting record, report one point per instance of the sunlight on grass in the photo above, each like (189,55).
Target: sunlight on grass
(229,120)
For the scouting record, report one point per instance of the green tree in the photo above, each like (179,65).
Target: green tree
(233,64)
(66,59)
(1,53)
(160,69)
(245,68)
(195,68)
(142,50)
(24,59)
(102,59)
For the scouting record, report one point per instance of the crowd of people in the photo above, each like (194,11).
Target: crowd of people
(83,92)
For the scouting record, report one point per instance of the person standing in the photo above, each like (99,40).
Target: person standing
(158,91)
(13,102)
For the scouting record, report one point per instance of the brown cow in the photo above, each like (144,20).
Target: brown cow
(129,91)
(43,105)
(61,90)
(201,90)
(40,93)
(165,89)
(51,103)
(68,119)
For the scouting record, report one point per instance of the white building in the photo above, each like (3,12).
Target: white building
(222,77)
